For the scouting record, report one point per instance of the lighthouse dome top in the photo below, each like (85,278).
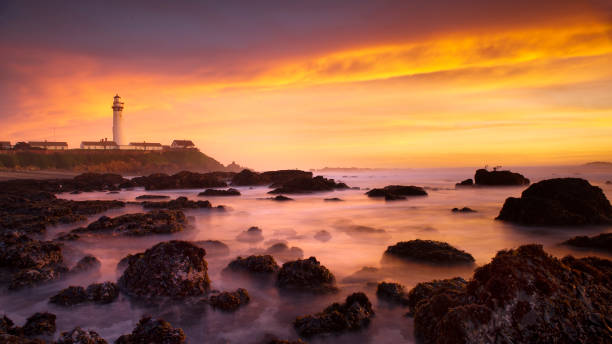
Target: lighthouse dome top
(116,96)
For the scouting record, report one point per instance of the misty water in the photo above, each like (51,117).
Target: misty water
(361,228)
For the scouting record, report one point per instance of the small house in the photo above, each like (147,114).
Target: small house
(48,145)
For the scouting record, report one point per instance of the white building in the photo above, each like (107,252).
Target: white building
(102,144)
(118,121)
(148,146)
(49,145)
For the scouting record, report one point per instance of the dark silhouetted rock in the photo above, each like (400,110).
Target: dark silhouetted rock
(214,248)
(523,296)
(216,192)
(281,198)
(102,293)
(466,182)
(558,202)
(80,336)
(323,236)
(366,274)
(499,178)
(306,275)
(463,210)
(40,324)
(308,185)
(392,292)
(284,253)
(87,263)
(178,203)
(333,199)
(249,178)
(602,242)
(352,315)
(153,222)
(70,296)
(175,268)
(152,197)
(181,180)
(229,301)
(252,235)
(26,278)
(153,332)
(67,236)
(428,251)
(427,290)
(264,264)
(396,192)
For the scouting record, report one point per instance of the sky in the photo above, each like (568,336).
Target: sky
(309,84)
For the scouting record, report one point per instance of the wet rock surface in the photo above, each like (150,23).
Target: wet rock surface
(87,264)
(70,296)
(463,210)
(285,253)
(217,192)
(354,314)
(181,180)
(561,202)
(80,336)
(499,178)
(263,264)
(146,197)
(138,224)
(252,235)
(250,178)
(214,248)
(306,275)
(427,290)
(100,293)
(525,296)
(229,301)
(428,251)
(178,203)
(153,332)
(397,192)
(308,185)
(175,269)
(392,292)
(601,242)
(466,182)
(40,324)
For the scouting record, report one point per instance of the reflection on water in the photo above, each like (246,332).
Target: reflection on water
(358,231)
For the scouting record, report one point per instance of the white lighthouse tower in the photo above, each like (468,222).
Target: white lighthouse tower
(117,120)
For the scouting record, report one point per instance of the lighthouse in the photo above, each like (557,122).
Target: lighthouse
(117,121)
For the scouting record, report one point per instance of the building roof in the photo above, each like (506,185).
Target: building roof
(99,143)
(47,143)
(183,143)
(145,144)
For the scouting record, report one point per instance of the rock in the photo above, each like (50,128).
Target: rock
(251,235)
(102,293)
(394,197)
(153,222)
(428,251)
(175,269)
(602,242)
(306,275)
(40,324)
(250,178)
(558,202)
(178,203)
(366,274)
(522,296)
(181,180)
(87,263)
(152,197)
(70,296)
(6,324)
(323,236)
(333,199)
(427,290)
(466,182)
(284,253)
(499,178)
(153,332)
(463,210)
(214,248)
(80,336)
(230,301)
(215,192)
(392,292)
(352,315)
(67,236)
(281,198)
(308,185)
(264,264)
(395,192)
(363,232)
(35,276)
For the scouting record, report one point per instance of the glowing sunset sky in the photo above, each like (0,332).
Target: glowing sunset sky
(318,83)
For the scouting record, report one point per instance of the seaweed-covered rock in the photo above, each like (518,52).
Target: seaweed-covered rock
(80,336)
(463,210)
(394,192)
(499,178)
(428,251)
(427,290)
(558,202)
(214,248)
(523,296)
(153,332)
(264,264)
(306,275)
(149,197)
(229,301)
(40,324)
(181,180)
(34,276)
(285,253)
(87,263)
(323,236)
(175,269)
(102,293)
(352,315)
(251,235)
(308,185)
(466,182)
(602,242)
(153,222)
(70,296)
(217,192)
(178,203)
(392,292)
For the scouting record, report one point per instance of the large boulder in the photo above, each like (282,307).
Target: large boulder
(395,192)
(499,178)
(80,336)
(250,178)
(306,275)
(392,292)
(285,253)
(229,301)
(174,269)
(86,264)
(217,192)
(558,202)
(100,293)
(264,264)
(307,185)
(523,296)
(40,324)
(138,224)
(178,203)
(153,332)
(602,242)
(428,251)
(251,235)
(352,315)
(181,180)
